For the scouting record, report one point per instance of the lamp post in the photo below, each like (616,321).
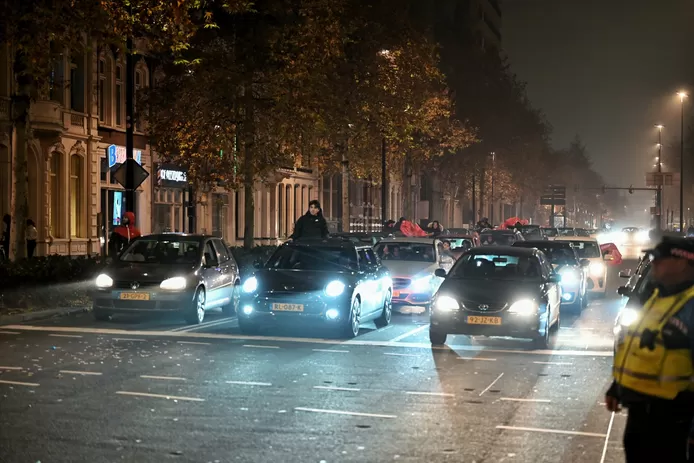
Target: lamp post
(682,96)
(659,165)
(491,199)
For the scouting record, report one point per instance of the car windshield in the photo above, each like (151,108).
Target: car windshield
(321,258)
(498,238)
(551,232)
(533,233)
(416,252)
(582,232)
(586,249)
(558,255)
(163,251)
(496,267)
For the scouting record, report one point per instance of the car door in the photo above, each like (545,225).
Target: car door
(553,289)
(211,274)
(369,283)
(228,272)
(380,273)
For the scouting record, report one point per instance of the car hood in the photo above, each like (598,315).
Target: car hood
(490,291)
(406,268)
(133,271)
(299,280)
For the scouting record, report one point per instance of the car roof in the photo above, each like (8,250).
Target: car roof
(164,236)
(329,243)
(515,251)
(498,230)
(408,239)
(543,243)
(576,238)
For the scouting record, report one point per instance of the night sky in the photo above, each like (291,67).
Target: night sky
(607,70)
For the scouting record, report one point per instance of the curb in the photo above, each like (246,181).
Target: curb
(41,315)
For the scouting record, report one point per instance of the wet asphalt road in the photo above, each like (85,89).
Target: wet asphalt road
(72,389)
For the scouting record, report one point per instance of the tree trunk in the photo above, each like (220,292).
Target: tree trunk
(249,171)
(345,195)
(21,104)
(483,179)
(407,188)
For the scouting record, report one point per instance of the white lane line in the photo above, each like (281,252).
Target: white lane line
(18,383)
(400,355)
(513,399)
(334,351)
(381,330)
(439,394)
(335,388)
(607,439)
(195,343)
(249,383)
(9,332)
(551,431)
(342,412)
(166,378)
(356,342)
(208,324)
(65,335)
(83,373)
(11,368)
(258,346)
(410,333)
(160,396)
(493,383)
(129,339)
(477,358)
(554,363)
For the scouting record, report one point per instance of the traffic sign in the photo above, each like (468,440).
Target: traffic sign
(661,178)
(139,173)
(549,200)
(554,195)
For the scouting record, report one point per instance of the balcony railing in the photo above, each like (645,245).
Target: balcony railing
(77,120)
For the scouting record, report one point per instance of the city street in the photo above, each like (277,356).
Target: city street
(73,389)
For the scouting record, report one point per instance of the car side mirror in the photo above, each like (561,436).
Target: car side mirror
(554,278)
(625,274)
(439,272)
(624,291)
(585,263)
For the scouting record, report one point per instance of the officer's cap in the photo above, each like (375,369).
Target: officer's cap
(682,248)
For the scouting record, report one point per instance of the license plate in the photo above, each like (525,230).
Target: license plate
(134,296)
(472,320)
(288,307)
(396,293)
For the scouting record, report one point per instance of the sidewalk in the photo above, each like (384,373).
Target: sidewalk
(15,316)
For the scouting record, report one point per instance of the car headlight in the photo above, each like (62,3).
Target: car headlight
(335,288)
(569,277)
(104,281)
(421,284)
(523,307)
(446,304)
(597,269)
(250,285)
(175,283)
(628,316)
(643,237)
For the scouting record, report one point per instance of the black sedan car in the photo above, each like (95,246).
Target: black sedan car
(335,283)
(169,273)
(498,291)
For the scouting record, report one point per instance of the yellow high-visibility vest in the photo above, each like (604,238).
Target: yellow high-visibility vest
(659,372)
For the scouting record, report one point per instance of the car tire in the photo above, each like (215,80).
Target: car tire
(196,313)
(584,301)
(232,308)
(386,313)
(542,341)
(249,328)
(101,316)
(350,329)
(437,338)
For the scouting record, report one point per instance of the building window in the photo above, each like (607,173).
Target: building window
(220,212)
(77,84)
(55,202)
(119,96)
(104,92)
(168,210)
(76,197)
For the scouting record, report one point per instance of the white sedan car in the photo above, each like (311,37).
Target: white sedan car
(588,248)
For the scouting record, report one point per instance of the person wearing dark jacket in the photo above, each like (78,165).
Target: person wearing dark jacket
(123,234)
(312,224)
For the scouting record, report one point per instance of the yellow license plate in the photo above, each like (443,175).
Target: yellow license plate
(396,293)
(472,320)
(288,307)
(134,296)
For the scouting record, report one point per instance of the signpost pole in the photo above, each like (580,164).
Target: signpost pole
(129,127)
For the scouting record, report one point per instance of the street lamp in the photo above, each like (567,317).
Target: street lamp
(659,165)
(682,96)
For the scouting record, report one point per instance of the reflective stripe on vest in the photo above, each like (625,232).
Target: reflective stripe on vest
(659,371)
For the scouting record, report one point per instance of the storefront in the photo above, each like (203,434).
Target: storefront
(171,195)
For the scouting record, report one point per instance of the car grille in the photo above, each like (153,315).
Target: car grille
(128,284)
(491,307)
(401,283)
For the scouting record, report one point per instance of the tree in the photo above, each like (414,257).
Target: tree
(39,32)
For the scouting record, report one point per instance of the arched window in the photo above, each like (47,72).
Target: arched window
(54,204)
(76,197)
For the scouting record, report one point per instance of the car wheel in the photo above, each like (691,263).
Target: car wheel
(101,316)
(196,313)
(351,327)
(542,341)
(437,338)
(233,306)
(386,314)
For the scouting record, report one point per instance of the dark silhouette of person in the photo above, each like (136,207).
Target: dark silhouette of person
(123,234)
(311,225)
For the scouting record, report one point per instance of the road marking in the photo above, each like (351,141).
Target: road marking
(9,332)
(83,373)
(477,358)
(65,335)
(260,346)
(249,383)
(381,330)
(400,355)
(129,339)
(18,383)
(160,396)
(554,363)
(493,383)
(513,399)
(11,368)
(410,333)
(169,378)
(335,351)
(355,342)
(551,431)
(335,388)
(194,342)
(341,412)
(205,324)
(440,394)
(607,439)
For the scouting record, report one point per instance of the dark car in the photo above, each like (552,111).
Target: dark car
(169,273)
(550,232)
(367,238)
(500,237)
(333,282)
(572,269)
(532,232)
(499,291)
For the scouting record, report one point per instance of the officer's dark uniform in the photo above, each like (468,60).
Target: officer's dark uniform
(654,372)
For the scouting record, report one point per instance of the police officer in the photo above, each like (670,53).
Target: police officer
(653,364)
